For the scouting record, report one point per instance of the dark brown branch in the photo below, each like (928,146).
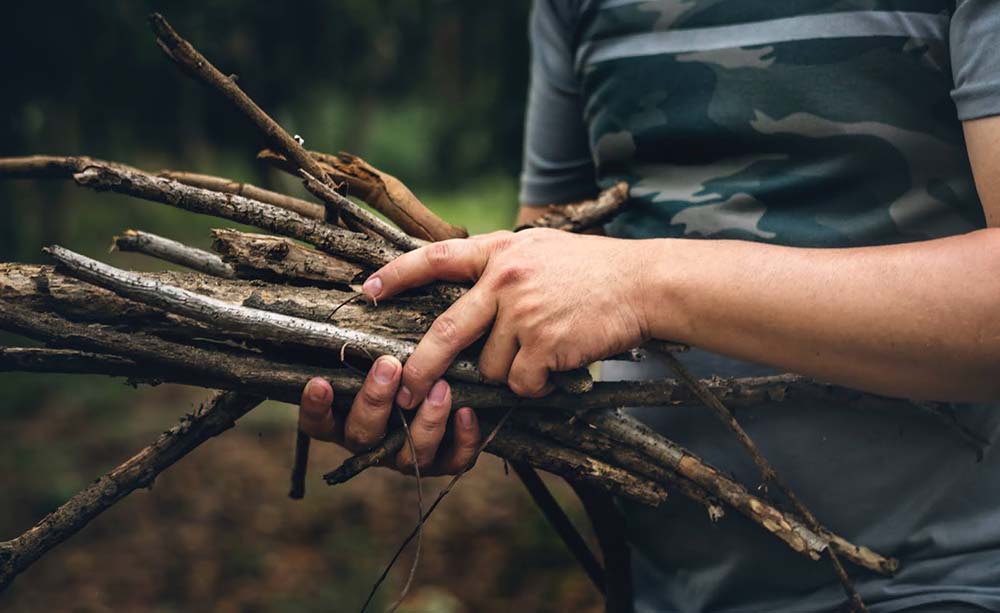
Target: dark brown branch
(272,257)
(609,527)
(300,461)
(560,522)
(139,471)
(355,216)
(585,215)
(219,184)
(382,191)
(172,251)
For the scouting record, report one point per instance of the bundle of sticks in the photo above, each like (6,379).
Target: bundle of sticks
(264,314)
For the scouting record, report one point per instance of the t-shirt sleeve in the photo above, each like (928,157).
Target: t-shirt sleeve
(557,165)
(975,58)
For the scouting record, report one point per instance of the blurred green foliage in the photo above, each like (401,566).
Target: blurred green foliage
(430,90)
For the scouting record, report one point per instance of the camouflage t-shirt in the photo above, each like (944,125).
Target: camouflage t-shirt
(827,123)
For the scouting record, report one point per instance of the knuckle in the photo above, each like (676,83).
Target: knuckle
(375,395)
(446,329)
(511,274)
(413,371)
(527,388)
(438,253)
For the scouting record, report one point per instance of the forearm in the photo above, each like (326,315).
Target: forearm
(920,320)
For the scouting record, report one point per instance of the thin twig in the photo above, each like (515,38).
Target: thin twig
(444,492)
(768,474)
(560,522)
(172,251)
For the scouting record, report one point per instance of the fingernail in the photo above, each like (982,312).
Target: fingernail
(317,392)
(385,370)
(372,287)
(438,392)
(404,397)
(464,418)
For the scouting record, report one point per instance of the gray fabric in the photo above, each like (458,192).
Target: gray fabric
(829,141)
(805,27)
(892,480)
(975,58)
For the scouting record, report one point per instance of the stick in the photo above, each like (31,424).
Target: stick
(261,324)
(268,257)
(766,470)
(172,251)
(352,246)
(560,522)
(300,461)
(609,527)
(196,65)
(356,216)
(382,191)
(139,471)
(585,215)
(218,184)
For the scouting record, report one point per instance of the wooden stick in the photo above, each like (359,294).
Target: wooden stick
(352,246)
(768,474)
(584,215)
(382,191)
(194,64)
(560,522)
(173,251)
(264,256)
(219,184)
(260,324)
(355,216)
(139,471)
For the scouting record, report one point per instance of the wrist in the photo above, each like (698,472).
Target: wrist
(663,288)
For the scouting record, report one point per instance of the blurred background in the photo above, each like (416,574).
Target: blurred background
(429,90)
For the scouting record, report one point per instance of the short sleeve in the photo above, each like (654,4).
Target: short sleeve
(974,41)
(557,164)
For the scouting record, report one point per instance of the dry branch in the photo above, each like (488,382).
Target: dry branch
(353,246)
(382,191)
(193,63)
(272,257)
(172,251)
(139,471)
(585,215)
(228,186)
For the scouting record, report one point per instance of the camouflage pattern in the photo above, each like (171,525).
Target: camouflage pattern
(825,142)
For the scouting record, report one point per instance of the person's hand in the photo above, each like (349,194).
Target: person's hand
(364,425)
(556,301)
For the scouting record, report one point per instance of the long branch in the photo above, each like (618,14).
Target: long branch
(585,215)
(219,184)
(193,63)
(139,471)
(261,324)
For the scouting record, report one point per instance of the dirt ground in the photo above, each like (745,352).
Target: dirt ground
(217,531)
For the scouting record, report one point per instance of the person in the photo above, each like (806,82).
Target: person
(815,188)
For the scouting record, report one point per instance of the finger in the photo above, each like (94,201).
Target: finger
(465,441)
(427,429)
(454,330)
(499,351)
(316,413)
(529,375)
(365,424)
(451,260)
